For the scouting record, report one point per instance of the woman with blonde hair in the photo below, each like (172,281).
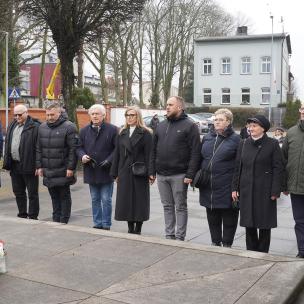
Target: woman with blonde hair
(130,169)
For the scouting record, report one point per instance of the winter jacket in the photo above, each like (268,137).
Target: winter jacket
(27,147)
(99,145)
(293,153)
(133,192)
(258,178)
(218,193)
(176,148)
(56,152)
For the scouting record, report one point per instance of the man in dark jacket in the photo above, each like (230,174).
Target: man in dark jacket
(19,159)
(293,149)
(97,143)
(175,159)
(56,160)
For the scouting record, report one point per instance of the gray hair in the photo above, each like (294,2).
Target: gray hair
(99,107)
(52,105)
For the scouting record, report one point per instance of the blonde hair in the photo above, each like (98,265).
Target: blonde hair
(227,113)
(139,120)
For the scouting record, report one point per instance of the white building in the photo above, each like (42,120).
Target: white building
(238,71)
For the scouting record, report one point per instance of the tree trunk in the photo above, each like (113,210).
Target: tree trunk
(40,89)
(67,81)
(102,73)
(80,67)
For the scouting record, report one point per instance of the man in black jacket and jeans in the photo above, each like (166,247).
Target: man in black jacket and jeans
(56,160)
(19,159)
(175,159)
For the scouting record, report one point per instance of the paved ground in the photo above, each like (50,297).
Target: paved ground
(283,238)
(53,263)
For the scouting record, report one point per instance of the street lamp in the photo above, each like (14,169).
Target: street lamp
(271,69)
(6,78)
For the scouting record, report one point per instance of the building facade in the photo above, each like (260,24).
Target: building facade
(242,70)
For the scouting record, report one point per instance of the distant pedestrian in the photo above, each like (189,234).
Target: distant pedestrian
(20,160)
(279,135)
(245,133)
(257,183)
(219,150)
(293,151)
(130,169)
(56,160)
(154,122)
(175,160)
(97,143)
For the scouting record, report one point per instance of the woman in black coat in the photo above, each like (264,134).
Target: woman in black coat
(219,151)
(257,183)
(130,169)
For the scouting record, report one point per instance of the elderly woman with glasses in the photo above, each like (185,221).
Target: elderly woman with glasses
(219,149)
(130,169)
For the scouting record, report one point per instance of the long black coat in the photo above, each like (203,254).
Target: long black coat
(260,178)
(133,192)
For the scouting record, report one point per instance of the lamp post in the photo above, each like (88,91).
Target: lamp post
(271,69)
(6,78)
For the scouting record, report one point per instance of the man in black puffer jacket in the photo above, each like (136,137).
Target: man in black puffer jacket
(56,160)
(19,159)
(175,159)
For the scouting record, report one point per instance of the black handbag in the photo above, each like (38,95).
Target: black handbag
(139,169)
(203,176)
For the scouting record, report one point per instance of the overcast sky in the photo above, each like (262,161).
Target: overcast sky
(258,14)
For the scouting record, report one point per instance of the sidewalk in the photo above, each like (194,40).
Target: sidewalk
(283,240)
(51,263)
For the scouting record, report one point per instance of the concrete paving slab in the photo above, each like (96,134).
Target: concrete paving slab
(100,300)
(14,290)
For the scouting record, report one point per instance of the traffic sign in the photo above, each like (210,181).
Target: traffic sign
(13,93)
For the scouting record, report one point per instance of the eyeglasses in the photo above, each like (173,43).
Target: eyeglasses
(130,115)
(19,115)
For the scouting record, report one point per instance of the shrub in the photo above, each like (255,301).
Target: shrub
(84,97)
(292,113)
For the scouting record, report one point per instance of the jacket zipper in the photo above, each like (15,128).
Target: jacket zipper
(211,196)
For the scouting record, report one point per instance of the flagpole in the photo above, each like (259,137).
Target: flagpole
(271,70)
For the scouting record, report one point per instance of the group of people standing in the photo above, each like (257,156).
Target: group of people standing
(245,176)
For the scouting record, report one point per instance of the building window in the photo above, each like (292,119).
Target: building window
(245,96)
(226,66)
(246,65)
(207,66)
(207,96)
(225,96)
(266,62)
(265,95)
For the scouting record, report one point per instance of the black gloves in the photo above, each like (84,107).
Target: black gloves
(105,164)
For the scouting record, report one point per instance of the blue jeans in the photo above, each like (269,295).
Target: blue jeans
(101,195)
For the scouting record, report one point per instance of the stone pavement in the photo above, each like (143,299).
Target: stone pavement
(54,263)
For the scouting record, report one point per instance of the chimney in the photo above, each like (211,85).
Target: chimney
(241,31)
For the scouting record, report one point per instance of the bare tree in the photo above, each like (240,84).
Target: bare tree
(71,23)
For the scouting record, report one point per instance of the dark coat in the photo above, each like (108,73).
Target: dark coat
(244,133)
(27,147)
(176,148)
(218,193)
(133,192)
(260,178)
(1,141)
(56,152)
(99,145)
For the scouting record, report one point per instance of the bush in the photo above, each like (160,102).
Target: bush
(292,113)
(84,97)
(240,115)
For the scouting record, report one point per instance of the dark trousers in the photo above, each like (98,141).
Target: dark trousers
(62,203)
(297,203)
(21,183)
(257,242)
(222,225)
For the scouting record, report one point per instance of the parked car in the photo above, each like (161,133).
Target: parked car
(202,124)
(206,116)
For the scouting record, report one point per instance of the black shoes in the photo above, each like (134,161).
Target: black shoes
(300,256)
